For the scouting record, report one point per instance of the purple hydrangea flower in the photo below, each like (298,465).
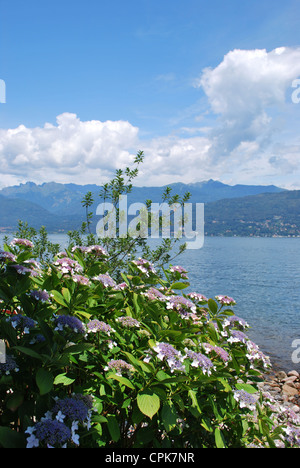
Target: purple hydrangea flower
(22,322)
(81,280)
(40,295)
(98,250)
(144,266)
(237,336)
(22,270)
(185,307)
(200,361)
(128,321)
(68,265)
(154,294)
(233,320)
(8,366)
(52,432)
(98,326)
(245,399)
(166,352)
(197,297)
(216,349)
(69,322)
(72,408)
(179,269)
(225,300)
(7,256)
(22,242)
(106,280)
(119,366)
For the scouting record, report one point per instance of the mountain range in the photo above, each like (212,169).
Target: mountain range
(229,209)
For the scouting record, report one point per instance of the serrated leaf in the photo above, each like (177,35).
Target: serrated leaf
(121,379)
(63,379)
(59,298)
(247,387)
(148,404)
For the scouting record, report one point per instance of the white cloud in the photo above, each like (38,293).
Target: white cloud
(244,91)
(71,149)
(243,140)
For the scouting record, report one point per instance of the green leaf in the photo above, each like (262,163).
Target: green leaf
(44,380)
(63,379)
(113,427)
(169,416)
(179,285)
(219,438)
(122,380)
(58,298)
(148,404)
(11,439)
(213,306)
(247,387)
(29,352)
(66,294)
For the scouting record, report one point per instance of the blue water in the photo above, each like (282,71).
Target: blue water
(262,275)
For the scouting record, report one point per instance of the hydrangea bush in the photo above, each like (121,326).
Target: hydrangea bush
(95,362)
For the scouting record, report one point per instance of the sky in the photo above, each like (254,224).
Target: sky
(207,90)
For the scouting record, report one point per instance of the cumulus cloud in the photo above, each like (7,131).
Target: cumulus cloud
(71,149)
(244,90)
(242,140)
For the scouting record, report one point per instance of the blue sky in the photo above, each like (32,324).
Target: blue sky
(204,88)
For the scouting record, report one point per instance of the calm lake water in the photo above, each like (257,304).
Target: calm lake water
(262,275)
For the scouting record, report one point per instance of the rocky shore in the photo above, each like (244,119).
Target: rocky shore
(283,387)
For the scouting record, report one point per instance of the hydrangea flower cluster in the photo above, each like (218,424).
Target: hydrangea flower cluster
(68,265)
(245,399)
(8,366)
(234,321)
(22,322)
(198,298)
(119,366)
(95,326)
(91,249)
(58,427)
(81,280)
(22,242)
(209,348)
(201,361)
(154,294)
(185,307)
(144,266)
(254,354)
(40,295)
(225,300)
(22,270)
(7,256)
(68,322)
(167,352)
(179,269)
(106,280)
(128,322)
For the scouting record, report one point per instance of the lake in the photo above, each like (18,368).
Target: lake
(262,275)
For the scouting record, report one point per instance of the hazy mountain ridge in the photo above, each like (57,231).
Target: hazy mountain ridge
(229,210)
